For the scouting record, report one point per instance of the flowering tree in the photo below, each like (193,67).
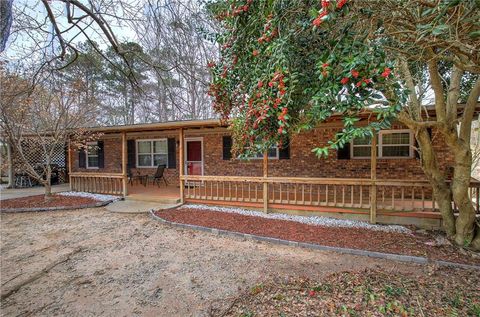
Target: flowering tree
(280,72)
(286,66)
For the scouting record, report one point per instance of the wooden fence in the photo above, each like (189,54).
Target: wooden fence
(390,195)
(101,183)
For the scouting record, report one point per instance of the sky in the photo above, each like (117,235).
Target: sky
(33,14)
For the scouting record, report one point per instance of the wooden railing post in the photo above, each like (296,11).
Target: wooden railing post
(265,182)
(181,165)
(124,164)
(373,177)
(69,152)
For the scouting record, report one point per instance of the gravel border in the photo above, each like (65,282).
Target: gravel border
(45,209)
(309,220)
(99,197)
(312,246)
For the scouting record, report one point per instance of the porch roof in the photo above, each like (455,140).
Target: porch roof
(170,125)
(214,123)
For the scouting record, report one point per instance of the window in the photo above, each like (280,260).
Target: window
(272,154)
(151,153)
(361,147)
(390,143)
(92,155)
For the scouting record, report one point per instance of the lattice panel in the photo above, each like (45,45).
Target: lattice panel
(34,151)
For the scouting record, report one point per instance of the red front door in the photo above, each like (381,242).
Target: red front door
(194,160)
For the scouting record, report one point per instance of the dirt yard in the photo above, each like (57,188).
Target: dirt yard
(101,263)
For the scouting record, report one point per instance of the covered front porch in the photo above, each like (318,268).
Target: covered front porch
(374,199)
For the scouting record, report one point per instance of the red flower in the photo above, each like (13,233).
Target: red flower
(317,21)
(255,53)
(312,293)
(386,72)
(367,81)
(325,3)
(344,80)
(355,73)
(280,130)
(260,84)
(282,92)
(271,84)
(211,64)
(341,3)
(325,65)
(284,110)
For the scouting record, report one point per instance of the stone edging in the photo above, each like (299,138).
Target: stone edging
(41,209)
(373,254)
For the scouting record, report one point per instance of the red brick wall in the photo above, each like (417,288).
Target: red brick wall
(302,162)
(113,158)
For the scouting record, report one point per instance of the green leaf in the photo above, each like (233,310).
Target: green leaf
(440,29)
(474,34)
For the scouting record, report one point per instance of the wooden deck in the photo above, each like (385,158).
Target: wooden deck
(162,193)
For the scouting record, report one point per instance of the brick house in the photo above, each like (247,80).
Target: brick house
(352,182)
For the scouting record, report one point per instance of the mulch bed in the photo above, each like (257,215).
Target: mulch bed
(354,238)
(38,201)
(444,292)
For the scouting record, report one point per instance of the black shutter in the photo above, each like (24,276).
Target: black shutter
(417,146)
(131,151)
(101,155)
(82,158)
(284,152)
(344,153)
(227,147)
(172,153)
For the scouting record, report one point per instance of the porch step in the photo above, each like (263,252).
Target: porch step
(133,206)
(149,198)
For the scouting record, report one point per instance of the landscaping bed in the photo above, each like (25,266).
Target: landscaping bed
(388,241)
(67,200)
(446,292)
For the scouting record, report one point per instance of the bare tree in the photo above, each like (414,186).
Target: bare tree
(47,33)
(42,117)
(173,35)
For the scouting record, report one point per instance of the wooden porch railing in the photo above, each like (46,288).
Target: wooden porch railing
(101,183)
(391,195)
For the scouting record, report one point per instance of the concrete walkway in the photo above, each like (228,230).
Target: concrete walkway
(136,206)
(10,193)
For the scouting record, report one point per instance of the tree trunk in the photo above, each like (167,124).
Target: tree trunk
(465,225)
(441,190)
(48,184)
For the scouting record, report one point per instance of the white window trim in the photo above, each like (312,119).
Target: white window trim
(151,153)
(87,155)
(380,145)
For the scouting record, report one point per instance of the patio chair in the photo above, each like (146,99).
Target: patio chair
(135,177)
(159,176)
(23,181)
